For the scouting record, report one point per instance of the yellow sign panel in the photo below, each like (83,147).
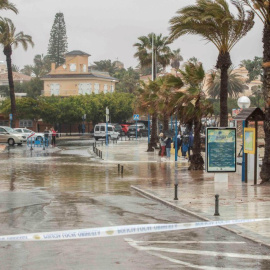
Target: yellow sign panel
(249,140)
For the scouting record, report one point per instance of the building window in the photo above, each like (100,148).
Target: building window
(85,88)
(112,88)
(105,88)
(96,88)
(55,89)
(25,123)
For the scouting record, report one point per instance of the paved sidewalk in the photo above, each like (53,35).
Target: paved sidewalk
(196,190)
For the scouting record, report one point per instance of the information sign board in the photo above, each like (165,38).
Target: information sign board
(136,117)
(221,150)
(249,140)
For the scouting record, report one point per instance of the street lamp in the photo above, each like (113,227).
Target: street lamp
(243,102)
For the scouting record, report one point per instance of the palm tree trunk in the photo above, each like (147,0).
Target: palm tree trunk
(196,159)
(165,122)
(8,52)
(223,63)
(265,172)
(154,139)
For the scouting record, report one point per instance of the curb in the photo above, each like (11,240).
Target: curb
(180,209)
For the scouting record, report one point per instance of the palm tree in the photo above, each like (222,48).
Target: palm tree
(6,5)
(9,38)
(262,9)
(167,97)
(213,20)
(161,51)
(235,84)
(147,102)
(193,107)
(176,59)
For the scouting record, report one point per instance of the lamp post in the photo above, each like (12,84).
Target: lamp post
(243,103)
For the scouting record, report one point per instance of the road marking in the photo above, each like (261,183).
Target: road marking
(186,263)
(199,252)
(187,242)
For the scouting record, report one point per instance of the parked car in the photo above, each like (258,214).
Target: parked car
(100,132)
(10,136)
(141,130)
(125,128)
(30,133)
(118,129)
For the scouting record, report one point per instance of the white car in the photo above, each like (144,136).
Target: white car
(10,136)
(30,133)
(100,132)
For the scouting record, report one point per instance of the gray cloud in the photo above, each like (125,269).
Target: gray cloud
(108,29)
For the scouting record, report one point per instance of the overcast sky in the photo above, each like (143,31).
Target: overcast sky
(107,29)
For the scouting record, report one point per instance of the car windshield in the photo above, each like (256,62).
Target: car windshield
(10,130)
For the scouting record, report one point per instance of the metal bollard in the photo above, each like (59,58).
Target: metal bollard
(101,154)
(119,168)
(122,169)
(216,205)
(31,145)
(175,192)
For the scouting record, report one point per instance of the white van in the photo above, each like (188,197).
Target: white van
(100,132)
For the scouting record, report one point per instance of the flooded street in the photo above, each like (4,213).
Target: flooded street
(70,187)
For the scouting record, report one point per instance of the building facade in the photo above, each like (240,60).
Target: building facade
(73,78)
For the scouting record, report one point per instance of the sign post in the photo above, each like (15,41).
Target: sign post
(148,128)
(10,118)
(136,117)
(175,147)
(107,120)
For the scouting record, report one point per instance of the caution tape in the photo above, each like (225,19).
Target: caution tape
(120,230)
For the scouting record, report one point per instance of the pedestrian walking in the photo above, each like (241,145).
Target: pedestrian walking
(53,136)
(185,145)
(46,136)
(168,142)
(190,144)
(162,144)
(179,142)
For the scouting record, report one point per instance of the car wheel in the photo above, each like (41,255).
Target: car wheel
(11,142)
(96,138)
(20,144)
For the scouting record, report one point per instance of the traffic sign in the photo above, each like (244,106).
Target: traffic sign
(136,117)
(10,116)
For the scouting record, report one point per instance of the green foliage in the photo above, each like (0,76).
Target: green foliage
(148,70)
(58,44)
(254,68)
(235,84)
(176,59)
(105,66)
(128,80)
(71,109)
(6,5)
(213,21)
(160,44)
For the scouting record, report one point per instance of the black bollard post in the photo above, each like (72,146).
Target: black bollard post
(175,192)
(216,205)
(122,169)
(101,155)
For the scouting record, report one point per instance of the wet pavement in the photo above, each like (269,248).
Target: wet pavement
(71,188)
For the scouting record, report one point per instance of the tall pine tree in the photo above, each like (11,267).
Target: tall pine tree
(58,44)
